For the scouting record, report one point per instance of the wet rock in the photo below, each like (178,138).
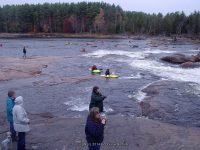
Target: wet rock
(172,102)
(134,46)
(46,115)
(16,68)
(38,72)
(146,108)
(176,59)
(120,133)
(188,64)
(181,58)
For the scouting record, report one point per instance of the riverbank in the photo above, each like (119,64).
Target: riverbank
(62,35)
(155,40)
(120,133)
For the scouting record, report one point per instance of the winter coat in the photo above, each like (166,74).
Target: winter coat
(94,131)
(24,51)
(97,101)
(20,118)
(107,72)
(9,108)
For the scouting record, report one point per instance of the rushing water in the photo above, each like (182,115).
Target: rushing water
(137,68)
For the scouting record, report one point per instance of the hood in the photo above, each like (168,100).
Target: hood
(19,100)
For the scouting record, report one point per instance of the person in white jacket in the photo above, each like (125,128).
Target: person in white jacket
(21,122)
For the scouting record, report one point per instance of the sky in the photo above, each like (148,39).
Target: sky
(148,6)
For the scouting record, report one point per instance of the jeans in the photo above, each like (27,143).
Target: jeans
(13,132)
(21,142)
(94,146)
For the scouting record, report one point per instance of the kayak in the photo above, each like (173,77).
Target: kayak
(96,71)
(110,76)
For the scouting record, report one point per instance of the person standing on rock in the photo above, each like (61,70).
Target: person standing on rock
(97,99)
(94,129)
(21,122)
(24,52)
(9,109)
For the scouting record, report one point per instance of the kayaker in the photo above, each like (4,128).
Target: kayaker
(94,67)
(107,73)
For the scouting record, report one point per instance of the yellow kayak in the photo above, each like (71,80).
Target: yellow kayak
(110,76)
(95,71)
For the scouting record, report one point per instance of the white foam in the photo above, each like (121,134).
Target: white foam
(139,60)
(157,51)
(81,105)
(137,76)
(140,96)
(173,73)
(194,50)
(102,53)
(136,54)
(77,105)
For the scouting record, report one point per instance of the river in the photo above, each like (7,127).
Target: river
(137,63)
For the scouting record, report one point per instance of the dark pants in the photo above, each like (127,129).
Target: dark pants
(21,141)
(13,132)
(94,146)
(24,56)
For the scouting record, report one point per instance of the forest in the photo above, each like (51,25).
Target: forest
(93,17)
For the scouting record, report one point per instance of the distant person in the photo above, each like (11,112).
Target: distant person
(97,99)
(94,129)
(94,67)
(83,50)
(24,52)
(107,73)
(21,122)
(9,108)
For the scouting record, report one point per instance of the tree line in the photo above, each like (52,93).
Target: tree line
(93,17)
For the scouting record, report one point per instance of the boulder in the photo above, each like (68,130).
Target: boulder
(146,108)
(188,64)
(197,57)
(176,59)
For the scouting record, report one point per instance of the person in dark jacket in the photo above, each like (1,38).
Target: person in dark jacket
(94,129)
(107,73)
(9,108)
(97,99)
(24,52)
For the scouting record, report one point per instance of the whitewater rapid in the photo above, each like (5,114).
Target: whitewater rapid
(141,60)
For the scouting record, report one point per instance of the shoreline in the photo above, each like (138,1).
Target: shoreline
(62,35)
(154,38)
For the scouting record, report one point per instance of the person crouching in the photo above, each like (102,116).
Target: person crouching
(21,122)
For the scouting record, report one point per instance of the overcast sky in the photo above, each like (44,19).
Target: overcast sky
(149,6)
